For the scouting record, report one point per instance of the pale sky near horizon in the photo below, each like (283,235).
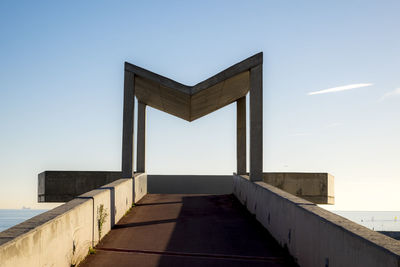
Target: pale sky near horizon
(331,89)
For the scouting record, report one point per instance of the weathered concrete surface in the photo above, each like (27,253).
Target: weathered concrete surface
(141,139)
(59,237)
(128,125)
(315,187)
(188,230)
(241,158)
(63,186)
(62,236)
(101,199)
(193,102)
(392,234)
(256,123)
(140,186)
(121,198)
(314,236)
(190,184)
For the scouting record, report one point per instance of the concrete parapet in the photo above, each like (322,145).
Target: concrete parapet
(63,236)
(315,187)
(102,208)
(140,186)
(190,184)
(312,235)
(59,237)
(121,195)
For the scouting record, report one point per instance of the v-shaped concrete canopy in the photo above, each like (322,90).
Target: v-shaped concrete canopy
(193,102)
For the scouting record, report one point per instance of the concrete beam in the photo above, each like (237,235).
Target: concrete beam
(256,124)
(315,187)
(63,186)
(193,102)
(141,136)
(128,125)
(241,135)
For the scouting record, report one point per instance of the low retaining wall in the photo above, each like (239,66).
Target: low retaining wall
(312,235)
(190,184)
(63,236)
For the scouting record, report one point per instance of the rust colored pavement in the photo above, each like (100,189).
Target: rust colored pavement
(188,230)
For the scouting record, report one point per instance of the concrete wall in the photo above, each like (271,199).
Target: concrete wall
(140,186)
(99,197)
(62,236)
(190,184)
(315,187)
(63,186)
(314,236)
(120,197)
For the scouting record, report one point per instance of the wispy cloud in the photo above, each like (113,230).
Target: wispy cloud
(395,92)
(341,88)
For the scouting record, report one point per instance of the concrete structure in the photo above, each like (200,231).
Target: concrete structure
(176,224)
(193,102)
(60,186)
(314,187)
(63,186)
(63,236)
(312,235)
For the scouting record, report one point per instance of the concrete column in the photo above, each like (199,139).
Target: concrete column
(141,138)
(128,124)
(241,135)
(256,124)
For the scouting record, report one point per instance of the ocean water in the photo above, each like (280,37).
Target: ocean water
(374,220)
(9,218)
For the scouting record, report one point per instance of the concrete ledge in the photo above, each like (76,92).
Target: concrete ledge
(121,195)
(63,236)
(63,186)
(315,187)
(60,237)
(314,236)
(140,186)
(190,184)
(101,203)
(392,234)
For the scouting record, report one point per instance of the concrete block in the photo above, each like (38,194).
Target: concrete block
(63,186)
(315,187)
(140,186)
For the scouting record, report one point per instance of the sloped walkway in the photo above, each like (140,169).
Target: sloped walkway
(188,230)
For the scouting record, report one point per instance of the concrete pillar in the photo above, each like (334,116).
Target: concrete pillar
(256,124)
(128,124)
(141,138)
(241,135)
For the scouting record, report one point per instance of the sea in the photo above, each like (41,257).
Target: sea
(9,218)
(374,220)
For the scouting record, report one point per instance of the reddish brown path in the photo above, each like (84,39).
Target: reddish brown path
(188,230)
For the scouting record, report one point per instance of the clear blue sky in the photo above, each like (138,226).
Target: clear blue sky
(61,85)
